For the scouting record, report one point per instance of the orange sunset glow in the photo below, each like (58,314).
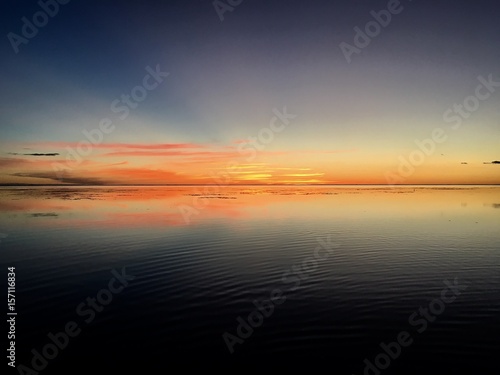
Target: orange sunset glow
(182,163)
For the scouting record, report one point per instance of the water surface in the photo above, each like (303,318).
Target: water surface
(202,255)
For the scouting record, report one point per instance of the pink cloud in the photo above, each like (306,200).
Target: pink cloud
(140,146)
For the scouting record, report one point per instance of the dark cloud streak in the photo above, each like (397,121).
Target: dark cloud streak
(75,180)
(35,154)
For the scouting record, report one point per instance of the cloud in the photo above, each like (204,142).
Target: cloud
(493,162)
(36,154)
(138,146)
(31,164)
(164,153)
(163,146)
(10,162)
(303,175)
(52,154)
(115,164)
(228,152)
(109,176)
(44,214)
(66,179)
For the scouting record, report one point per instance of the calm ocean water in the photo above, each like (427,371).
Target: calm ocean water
(336,272)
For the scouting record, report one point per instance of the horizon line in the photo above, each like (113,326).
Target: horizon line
(229,185)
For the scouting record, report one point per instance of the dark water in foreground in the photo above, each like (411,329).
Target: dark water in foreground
(348,267)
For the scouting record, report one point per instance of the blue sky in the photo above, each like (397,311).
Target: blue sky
(227,77)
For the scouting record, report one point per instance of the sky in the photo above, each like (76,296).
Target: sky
(257,92)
